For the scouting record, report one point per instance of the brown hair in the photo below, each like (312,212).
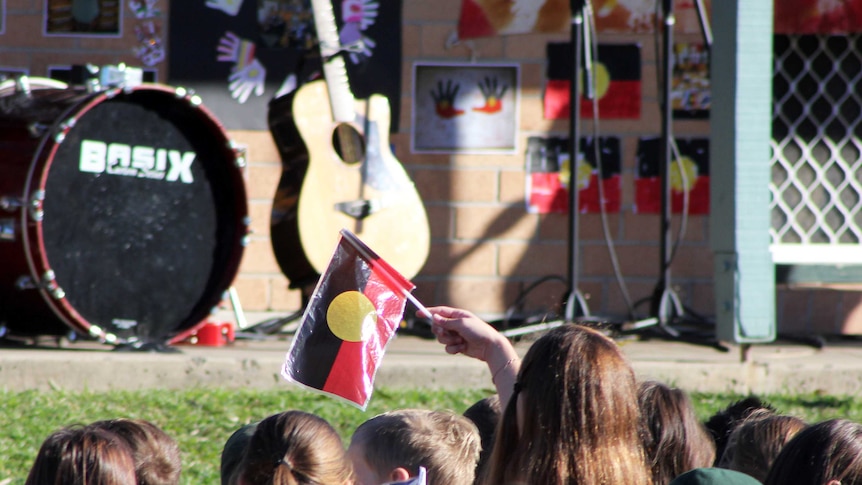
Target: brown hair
(156,454)
(675,440)
(445,443)
(755,443)
(581,421)
(294,448)
(83,456)
(485,414)
(831,450)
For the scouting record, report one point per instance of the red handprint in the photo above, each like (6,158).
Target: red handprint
(493,96)
(444,100)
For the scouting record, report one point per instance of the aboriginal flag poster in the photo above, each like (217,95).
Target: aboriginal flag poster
(617,75)
(353,313)
(692,179)
(549,175)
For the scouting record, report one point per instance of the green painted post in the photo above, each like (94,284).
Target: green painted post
(740,170)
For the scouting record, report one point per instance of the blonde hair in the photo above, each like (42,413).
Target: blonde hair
(445,443)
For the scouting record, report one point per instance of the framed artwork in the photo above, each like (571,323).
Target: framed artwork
(83,18)
(465,108)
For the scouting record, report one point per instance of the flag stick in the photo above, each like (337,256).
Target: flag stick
(420,306)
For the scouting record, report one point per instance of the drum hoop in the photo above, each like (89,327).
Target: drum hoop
(61,306)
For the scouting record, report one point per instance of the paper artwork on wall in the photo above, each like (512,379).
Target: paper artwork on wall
(467,108)
(690,94)
(486,18)
(617,86)
(818,17)
(549,175)
(689,175)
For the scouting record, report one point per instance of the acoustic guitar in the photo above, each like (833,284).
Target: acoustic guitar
(353,179)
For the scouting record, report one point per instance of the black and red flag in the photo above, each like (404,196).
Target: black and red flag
(353,313)
(617,82)
(549,175)
(688,174)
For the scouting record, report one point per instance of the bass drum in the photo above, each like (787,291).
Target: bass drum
(123,212)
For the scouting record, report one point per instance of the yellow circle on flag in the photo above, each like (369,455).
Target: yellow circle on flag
(602,79)
(689,168)
(349,314)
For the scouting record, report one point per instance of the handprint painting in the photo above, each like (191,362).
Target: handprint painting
(466,108)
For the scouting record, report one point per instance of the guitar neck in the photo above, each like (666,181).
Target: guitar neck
(334,69)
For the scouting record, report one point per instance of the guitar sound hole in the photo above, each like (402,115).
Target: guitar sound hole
(349,143)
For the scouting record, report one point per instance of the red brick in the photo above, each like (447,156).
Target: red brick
(532,76)
(512,186)
(473,222)
(457,185)
(262,180)
(479,295)
(502,160)
(457,259)
(521,47)
(260,213)
(258,258)
(793,311)
(532,259)
(425,11)
(433,41)
(633,260)
(283,298)
(411,36)
(693,261)
(440,221)
(259,144)
(253,293)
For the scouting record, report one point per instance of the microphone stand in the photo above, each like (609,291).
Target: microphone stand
(575,304)
(665,305)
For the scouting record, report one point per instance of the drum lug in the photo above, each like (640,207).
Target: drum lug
(48,283)
(64,129)
(36,129)
(36,210)
(25,283)
(10,204)
(240,152)
(7,229)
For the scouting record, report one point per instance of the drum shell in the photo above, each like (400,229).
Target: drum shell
(43,290)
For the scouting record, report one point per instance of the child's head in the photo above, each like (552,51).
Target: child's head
(392,446)
(756,442)
(85,455)
(156,454)
(294,447)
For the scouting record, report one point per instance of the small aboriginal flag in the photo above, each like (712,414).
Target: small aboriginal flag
(617,82)
(549,175)
(689,174)
(351,316)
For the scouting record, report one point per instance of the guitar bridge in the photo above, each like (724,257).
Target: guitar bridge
(358,209)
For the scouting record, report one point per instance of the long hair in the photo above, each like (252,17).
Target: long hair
(831,450)
(295,448)
(578,399)
(79,455)
(675,440)
(156,454)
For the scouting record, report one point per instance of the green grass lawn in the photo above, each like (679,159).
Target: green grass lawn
(202,419)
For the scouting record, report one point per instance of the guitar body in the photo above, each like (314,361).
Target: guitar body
(372,197)
(283,228)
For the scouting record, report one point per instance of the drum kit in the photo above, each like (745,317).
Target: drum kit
(123,212)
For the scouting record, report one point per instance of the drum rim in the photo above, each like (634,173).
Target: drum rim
(36,253)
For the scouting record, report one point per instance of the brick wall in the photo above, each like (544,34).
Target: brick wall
(486,249)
